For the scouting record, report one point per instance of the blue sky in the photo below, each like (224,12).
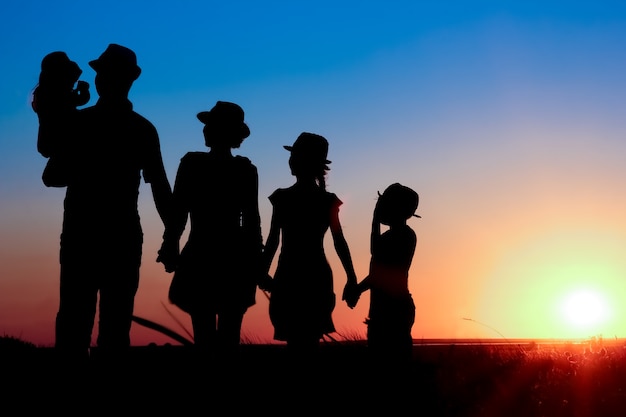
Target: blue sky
(506,117)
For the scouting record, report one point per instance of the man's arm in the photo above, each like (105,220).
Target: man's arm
(162,195)
(154,174)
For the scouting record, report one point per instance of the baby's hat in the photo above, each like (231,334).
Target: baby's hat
(57,65)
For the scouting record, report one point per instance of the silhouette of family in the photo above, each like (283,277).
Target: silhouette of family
(101,153)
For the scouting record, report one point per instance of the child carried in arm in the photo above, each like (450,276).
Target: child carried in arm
(55,100)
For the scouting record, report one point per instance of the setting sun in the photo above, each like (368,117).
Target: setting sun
(584,308)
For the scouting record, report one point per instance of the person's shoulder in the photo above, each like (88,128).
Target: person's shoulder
(142,121)
(194,157)
(192,163)
(245,162)
(279,193)
(243,159)
(333,198)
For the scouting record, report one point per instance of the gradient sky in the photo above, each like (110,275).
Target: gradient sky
(506,117)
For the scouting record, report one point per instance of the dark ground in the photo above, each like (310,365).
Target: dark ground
(160,378)
(441,381)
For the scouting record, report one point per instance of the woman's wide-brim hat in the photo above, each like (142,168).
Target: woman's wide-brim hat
(117,59)
(227,115)
(310,146)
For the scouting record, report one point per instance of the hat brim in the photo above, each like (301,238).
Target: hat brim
(99,66)
(290,148)
(204,116)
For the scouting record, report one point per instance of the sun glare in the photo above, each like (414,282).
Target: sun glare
(585,308)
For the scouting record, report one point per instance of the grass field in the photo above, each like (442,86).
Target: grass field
(586,379)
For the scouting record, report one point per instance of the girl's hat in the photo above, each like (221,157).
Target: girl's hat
(310,146)
(227,115)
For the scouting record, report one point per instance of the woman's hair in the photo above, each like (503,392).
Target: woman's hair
(302,167)
(321,180)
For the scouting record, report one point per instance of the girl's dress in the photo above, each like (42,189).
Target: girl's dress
(303,298)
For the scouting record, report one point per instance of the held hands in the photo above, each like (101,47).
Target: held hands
(168,255)
(265,282)
(351,294)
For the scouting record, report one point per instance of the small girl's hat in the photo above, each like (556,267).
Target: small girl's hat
(403,198)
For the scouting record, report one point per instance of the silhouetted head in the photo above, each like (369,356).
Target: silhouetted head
(225,121)
(397,203)
(117,61)
(310,150)
(308,158)
(116,70)
(58,70)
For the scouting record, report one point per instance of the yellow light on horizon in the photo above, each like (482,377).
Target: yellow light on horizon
(558,284)
(585,309)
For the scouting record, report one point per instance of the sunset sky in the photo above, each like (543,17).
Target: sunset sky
(507,117)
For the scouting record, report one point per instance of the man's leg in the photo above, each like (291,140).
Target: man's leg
(77,309)
(204,324)
(229,329)
(117,301)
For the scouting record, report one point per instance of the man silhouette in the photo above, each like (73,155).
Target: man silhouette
(101,239)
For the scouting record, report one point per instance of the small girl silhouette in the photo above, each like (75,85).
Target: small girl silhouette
(55,91)
(391,311)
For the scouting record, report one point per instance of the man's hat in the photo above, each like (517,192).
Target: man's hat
(310,146)
(117,59)
(227,115)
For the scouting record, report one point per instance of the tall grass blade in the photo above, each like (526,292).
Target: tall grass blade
(177,320)
(162,329)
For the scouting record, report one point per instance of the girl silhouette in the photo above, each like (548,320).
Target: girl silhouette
(302,296)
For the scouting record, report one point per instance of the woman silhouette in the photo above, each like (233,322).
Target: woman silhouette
(216,272)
